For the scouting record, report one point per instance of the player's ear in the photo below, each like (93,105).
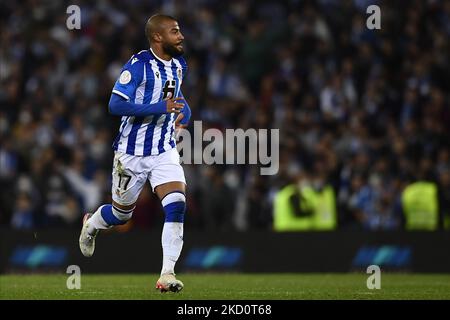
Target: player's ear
(157,37)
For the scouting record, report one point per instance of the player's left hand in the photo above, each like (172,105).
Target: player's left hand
(178,125)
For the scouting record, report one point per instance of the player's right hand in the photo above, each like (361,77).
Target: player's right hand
(172,105)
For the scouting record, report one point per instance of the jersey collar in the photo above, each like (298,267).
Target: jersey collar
(165,62)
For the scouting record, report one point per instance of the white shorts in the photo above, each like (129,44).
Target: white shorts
(131,172)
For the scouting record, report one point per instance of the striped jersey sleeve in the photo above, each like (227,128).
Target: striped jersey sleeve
(130,78)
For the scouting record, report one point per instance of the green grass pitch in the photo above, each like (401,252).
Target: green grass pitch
(229,287)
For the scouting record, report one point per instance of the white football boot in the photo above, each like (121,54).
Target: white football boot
(168,282)
(87,241)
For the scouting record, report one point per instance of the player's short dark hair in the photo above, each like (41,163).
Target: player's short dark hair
(153,21)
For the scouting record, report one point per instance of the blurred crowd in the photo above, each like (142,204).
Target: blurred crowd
(364,111)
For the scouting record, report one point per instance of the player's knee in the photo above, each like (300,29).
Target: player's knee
(174,205)
(116,216)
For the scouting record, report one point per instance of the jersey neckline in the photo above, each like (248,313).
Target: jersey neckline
(165,62)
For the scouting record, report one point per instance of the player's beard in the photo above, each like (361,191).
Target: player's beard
(172,50)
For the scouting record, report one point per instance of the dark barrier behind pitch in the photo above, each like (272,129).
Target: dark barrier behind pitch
(140,252)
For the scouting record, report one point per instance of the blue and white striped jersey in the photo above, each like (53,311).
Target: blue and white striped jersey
(145,78)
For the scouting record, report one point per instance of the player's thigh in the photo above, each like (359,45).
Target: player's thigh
(128,179)
(167,174)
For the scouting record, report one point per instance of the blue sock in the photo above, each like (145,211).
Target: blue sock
(114,216)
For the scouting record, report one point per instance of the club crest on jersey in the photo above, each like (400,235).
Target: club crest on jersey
(125,77)
(179,73)
(157,74)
